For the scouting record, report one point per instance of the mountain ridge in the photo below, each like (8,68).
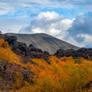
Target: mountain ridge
(44,42)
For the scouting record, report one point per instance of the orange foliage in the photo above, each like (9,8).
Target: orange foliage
(69,76)
(61,75)
(7,54)
(1,42)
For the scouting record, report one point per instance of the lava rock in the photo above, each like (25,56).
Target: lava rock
(11,73)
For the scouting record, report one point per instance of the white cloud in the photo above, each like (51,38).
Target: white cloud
(80,33)
(6,9)
(37,30)
(10,6)
(10,28)
(12,25)
(87,39)
(66,24)
(48,15)
(50,23)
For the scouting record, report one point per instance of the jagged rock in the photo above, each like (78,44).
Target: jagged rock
(20,48)
(5,85)
(59,53)
(11,73)
(27,75)
(3,62)
(1,36)
(82,52)
(31,48)
(10,39)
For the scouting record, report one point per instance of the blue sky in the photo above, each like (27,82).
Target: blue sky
(69,13)
(69,20)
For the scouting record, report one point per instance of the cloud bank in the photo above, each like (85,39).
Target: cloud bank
(76,31)
(81,30)
(49,22)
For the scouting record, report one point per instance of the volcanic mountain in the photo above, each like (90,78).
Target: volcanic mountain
(44,42)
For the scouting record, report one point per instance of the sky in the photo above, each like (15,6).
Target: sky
(68,20)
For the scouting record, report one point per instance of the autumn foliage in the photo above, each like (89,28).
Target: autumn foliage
(60,75)
(7,54)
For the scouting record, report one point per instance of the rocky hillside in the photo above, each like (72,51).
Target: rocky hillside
(29,69)
(44,42)
(31,51)
(11,74)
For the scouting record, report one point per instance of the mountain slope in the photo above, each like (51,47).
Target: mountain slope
(43,41)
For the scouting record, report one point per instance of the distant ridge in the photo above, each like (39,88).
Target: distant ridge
(43,41)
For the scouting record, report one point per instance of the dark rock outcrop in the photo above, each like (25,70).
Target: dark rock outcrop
(25,51)
(10,39)
(82,52)
(11,73)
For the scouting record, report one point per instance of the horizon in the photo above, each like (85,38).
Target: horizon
(68,20)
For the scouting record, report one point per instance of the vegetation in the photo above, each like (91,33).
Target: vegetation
(60,75)
(7,54)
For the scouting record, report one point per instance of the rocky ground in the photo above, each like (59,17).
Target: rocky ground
(11,73)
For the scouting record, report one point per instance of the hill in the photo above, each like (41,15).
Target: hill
(44,42)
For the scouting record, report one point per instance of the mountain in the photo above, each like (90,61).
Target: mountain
(27,52)
(43,41)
